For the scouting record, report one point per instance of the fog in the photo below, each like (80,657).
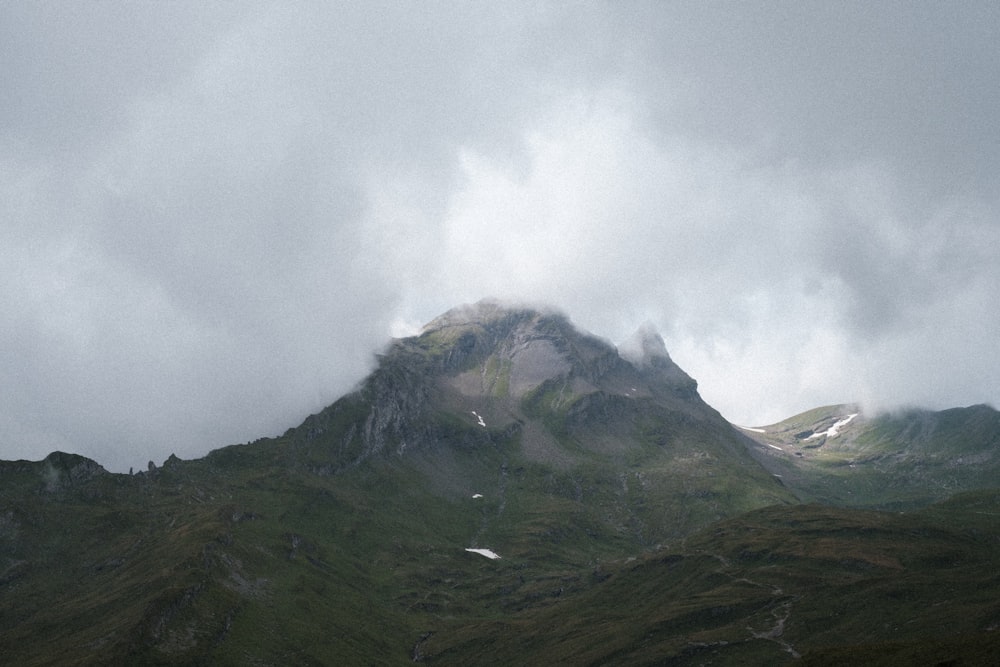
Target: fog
(213,216)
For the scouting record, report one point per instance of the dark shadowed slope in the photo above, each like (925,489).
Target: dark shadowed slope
(804,584)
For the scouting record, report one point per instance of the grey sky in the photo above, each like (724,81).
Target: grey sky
(212,215)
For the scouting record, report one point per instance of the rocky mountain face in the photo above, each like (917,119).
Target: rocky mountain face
(499,473)
(498,368)
(522,396)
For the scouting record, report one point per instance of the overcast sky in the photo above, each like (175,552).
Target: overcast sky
(213,214)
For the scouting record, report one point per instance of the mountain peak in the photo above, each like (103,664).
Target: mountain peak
(539,343)
(645,347)
(533,343)
(523,371)
(486,312)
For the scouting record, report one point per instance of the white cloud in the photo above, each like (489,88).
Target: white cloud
(214,221)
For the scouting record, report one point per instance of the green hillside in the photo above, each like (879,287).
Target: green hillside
(633,525)
(898,460)
(805,585)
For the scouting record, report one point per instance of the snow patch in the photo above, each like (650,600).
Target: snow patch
(489,553)
(774,447)
(481,422)
(477,495)
(834,430)
(748,428)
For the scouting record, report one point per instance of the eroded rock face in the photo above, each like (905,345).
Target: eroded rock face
(470,335)
(520,348)
(508,356)
(61,470)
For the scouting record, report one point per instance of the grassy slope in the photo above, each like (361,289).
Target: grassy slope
(250,556)
(899,460)
(836,586)
(189,566)
(250,564)
(333,546)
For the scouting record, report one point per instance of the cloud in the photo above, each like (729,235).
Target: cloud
(214,219)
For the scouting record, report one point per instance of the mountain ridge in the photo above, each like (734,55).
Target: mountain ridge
(628,517)
(905,458)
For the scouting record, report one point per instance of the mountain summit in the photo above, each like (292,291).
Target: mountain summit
(524,348)
(523,388)
(645,347)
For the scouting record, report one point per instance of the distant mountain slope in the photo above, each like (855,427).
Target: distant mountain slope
(838,455)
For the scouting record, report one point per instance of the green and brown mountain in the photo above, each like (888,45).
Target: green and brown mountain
(902,459)
(506,489)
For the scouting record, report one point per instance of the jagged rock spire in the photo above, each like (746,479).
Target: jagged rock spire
(645,347)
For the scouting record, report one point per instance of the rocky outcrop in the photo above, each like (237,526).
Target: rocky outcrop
(61,470)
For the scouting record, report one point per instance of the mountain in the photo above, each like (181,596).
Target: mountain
(492,400)
(904,459)
(503,488)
